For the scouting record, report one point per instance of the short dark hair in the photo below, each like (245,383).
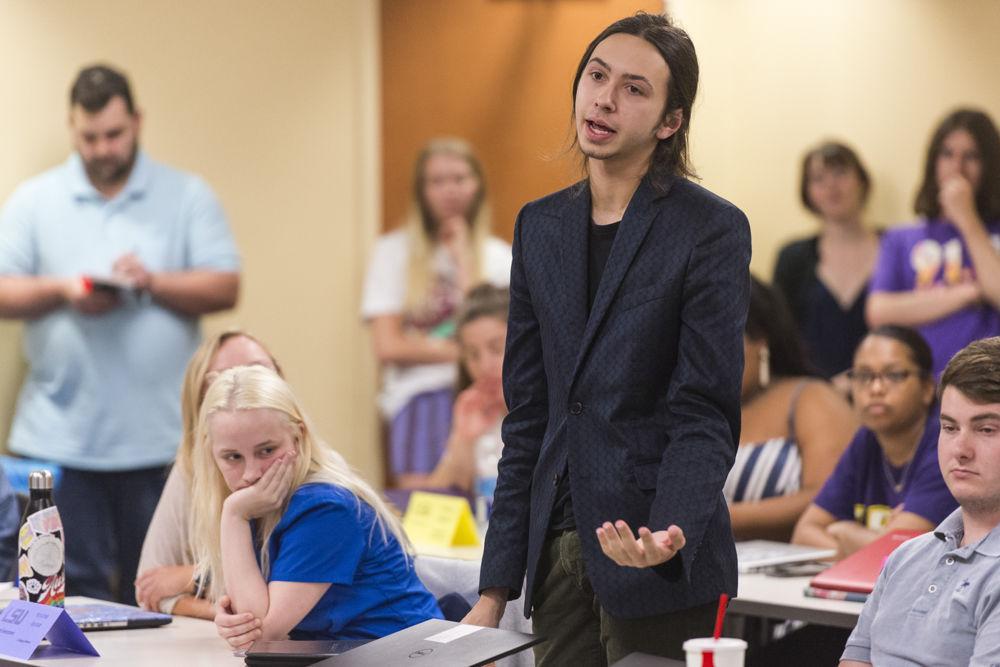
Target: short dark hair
(96,85)
(984,133)
(770,320)
(975,371)
(670,158)
(917,346)
(832,154)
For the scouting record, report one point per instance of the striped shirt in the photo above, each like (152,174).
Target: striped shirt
(770,468)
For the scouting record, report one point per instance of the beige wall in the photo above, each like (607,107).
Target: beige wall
(779,75)
(509,96)
(276,105)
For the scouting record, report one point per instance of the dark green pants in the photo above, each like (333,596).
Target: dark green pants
(580,633)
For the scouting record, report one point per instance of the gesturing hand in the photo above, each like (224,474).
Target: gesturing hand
(651,549)
(266,494)
(239,630)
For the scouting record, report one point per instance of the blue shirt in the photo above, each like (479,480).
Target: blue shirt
(328,535)
(102,391)
(863,485)
(936,603)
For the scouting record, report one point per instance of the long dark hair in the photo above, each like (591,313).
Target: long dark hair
(769,319)
(984,133)
(670,158)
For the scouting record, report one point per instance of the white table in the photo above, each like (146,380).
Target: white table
(185,642)
(765,596)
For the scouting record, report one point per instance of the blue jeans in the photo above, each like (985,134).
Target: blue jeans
(105,516)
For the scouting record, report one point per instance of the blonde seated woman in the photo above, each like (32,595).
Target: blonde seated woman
(165,581)
(301,545)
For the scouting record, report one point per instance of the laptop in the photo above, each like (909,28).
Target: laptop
(436,643)
(100,616)
(291,652)
(755,555)
(858,572)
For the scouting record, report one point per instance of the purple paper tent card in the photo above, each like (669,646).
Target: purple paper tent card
(23,626)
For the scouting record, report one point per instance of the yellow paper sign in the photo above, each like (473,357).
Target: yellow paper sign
(439,520)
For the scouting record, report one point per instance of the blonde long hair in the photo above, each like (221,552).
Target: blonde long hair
(422,227)
(195,384)
(259,388)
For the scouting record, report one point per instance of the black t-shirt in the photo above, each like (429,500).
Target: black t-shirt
(599,242)
(829,333)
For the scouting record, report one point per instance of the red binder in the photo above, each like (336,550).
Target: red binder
(859,571)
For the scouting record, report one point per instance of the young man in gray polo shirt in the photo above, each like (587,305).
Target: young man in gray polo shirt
(937,601)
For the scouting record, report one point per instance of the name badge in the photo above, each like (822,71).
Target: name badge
(23,626)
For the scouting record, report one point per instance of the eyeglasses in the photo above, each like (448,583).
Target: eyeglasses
(891,378)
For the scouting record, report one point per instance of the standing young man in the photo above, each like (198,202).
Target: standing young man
(624,358)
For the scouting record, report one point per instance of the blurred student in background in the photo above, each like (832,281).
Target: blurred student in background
(941,275)
(416,280)
(888,479)
(794,426)
(474,446)
(824,278)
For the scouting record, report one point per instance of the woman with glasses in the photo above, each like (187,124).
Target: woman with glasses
(888,479)
(794,426)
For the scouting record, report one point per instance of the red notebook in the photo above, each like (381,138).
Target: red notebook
(859,571)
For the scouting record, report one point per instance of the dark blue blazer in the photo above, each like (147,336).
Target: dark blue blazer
(641,396)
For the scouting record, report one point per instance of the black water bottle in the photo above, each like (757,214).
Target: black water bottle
(41,553)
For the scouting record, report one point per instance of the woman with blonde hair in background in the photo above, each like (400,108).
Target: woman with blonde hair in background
(473,449)
(416,280)
(166,568)
(301,545)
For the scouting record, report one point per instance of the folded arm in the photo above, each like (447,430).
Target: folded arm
(394,345)
(920,306)
(195,292)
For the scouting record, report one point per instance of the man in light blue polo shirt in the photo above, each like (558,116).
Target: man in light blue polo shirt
(937,601)
(109,258)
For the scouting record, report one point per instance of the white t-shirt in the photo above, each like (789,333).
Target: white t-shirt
(385,294)
(489,446)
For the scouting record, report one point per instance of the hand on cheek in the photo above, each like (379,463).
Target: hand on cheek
(267,494)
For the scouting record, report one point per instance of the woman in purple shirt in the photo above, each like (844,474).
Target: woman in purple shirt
(942,274)
(888,478)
